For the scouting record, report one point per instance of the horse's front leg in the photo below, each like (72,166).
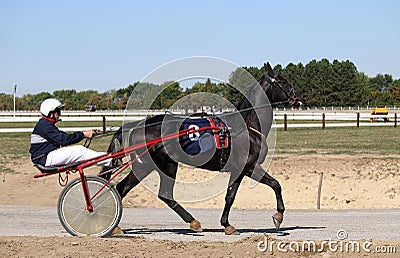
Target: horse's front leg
(234,184)
(260,175)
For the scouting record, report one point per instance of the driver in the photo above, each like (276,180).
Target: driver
(51,147)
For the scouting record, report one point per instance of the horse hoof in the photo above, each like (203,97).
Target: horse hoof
(231,230)
(277,218)
(195,225)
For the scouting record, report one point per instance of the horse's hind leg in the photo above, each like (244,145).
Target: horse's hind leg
(260,175)
(167,171)
(131,180)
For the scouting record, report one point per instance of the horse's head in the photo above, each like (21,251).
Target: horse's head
(279,90)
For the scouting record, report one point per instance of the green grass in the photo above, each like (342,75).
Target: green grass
(379,141)
(14,145)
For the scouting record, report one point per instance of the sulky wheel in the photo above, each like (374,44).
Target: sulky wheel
(77,220)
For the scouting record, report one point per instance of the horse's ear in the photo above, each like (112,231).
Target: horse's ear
(269,70)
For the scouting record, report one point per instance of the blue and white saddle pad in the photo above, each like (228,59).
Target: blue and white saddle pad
(203,141)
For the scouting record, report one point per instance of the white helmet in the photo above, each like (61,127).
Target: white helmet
(49,105)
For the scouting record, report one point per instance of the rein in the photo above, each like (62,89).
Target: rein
(174,121)
(221,115)
(99,135)
(291,99)
(258,132)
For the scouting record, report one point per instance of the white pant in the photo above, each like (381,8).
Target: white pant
(70,154)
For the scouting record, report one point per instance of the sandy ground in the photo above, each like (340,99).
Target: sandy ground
(348,182)
(141,247)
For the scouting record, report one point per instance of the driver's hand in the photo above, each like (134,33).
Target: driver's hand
(90,133)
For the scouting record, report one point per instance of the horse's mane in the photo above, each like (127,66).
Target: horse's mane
(245,104)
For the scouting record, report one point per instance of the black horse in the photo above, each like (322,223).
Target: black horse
(247,150)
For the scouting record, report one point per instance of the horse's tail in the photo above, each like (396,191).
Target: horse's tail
(116,142)
(115,146)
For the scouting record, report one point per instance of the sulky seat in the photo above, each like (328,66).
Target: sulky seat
(51,169)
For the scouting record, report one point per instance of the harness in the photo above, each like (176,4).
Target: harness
(207,140)
(222,139)
(203,141)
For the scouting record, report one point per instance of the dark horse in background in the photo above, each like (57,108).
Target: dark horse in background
(248,126)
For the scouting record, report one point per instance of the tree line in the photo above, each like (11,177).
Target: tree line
(325,83)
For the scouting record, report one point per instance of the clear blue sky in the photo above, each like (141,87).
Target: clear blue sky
(103,45)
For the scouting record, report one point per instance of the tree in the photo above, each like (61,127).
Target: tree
(379,90)
(325,84)
(37,99)
(345,88)
(256,72)
(295,74)
(394,92)
(82,98)
(6,101)
(314,81)
(240,81)
(170,94)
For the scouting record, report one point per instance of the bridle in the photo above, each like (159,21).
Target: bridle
(275,86)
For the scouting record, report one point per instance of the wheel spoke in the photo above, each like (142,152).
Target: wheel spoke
(77,220)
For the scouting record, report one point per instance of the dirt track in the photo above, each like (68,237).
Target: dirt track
(164,224)
(350,182)
(154,232)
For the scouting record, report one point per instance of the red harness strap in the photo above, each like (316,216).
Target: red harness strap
(216,134)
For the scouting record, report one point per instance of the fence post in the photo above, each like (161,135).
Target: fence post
(285,122)
(358,119)
(395,120)
(323,120)
(104,124)
(321,175)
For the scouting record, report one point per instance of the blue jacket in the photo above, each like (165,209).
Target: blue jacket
(46,137)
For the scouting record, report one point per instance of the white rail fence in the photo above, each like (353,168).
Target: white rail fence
(335,119)
(283,119)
